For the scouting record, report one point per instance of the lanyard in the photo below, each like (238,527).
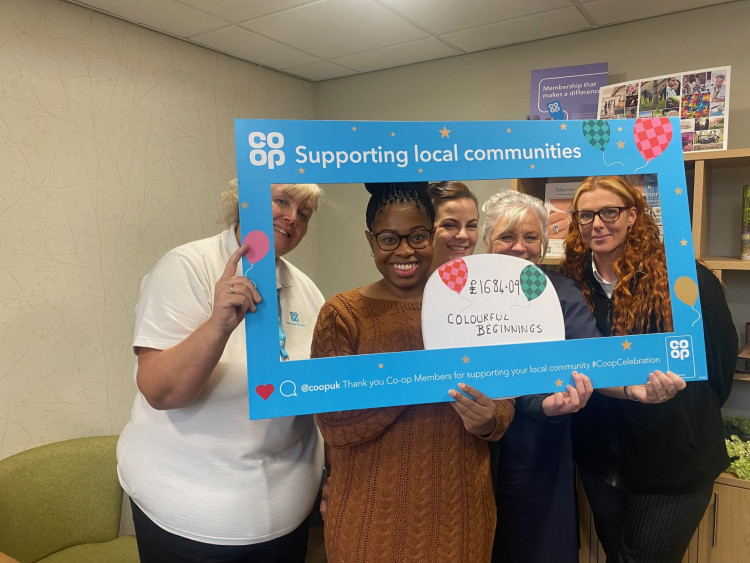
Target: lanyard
(282,335)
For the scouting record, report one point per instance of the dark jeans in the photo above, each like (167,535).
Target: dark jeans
(156,545)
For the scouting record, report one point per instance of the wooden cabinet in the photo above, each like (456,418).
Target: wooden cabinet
(718,178)
(722,537)
(724,533)
(707,166)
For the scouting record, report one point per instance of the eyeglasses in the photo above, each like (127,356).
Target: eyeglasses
(388,240)
(606,214)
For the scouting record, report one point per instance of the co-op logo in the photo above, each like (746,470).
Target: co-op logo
(266,149)
(679,349)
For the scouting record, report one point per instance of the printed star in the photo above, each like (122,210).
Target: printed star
(445,132)
(420,170)
(683,242)
(559,383)
(532,167)
(563,127)
(393,134)
(380,366)
(301,170)
(244,205)
(619,129)
(626,345)
(678,191)
(466,359)
(620,145)
(354,128)
(507,130)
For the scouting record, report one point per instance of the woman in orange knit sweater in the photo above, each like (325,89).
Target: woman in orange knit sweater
(408,483)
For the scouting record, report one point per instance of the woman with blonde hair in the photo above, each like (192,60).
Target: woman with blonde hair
(647,455)
(205,482)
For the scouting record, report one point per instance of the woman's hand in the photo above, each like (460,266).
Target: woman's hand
(325,492)
(476,411)
(174,377)
(233,296)
(570,401)
(659,388)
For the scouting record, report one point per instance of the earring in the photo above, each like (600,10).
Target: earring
(372,254)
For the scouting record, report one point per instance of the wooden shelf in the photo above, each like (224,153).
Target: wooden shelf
(731,480)
(742,376)
(726,263)
(734,157)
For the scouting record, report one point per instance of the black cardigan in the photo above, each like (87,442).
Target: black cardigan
(673,447)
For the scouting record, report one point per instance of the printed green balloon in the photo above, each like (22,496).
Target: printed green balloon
(596,132)
(533,281)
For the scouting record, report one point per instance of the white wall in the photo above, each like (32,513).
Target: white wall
(116,142)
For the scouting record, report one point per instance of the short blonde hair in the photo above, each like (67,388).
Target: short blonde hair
(230,199)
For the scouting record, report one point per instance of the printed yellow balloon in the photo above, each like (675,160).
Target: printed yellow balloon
(686,290)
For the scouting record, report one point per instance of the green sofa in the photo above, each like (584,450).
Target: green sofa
(62,503)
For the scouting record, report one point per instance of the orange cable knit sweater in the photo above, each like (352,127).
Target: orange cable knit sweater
(406,483)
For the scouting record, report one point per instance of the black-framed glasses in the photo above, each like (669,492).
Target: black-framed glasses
(388,240)
(606,214)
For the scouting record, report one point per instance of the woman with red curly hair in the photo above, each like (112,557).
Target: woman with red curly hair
(647,454)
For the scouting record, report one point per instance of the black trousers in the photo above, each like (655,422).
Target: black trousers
(156,545)
(644,528)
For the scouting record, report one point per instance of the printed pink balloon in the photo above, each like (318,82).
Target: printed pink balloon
(454,274)
(652,136)
(259,244)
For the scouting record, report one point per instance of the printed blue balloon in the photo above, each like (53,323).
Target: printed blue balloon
(533,281)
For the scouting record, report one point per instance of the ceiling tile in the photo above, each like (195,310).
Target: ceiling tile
(444,16)
(549,24)
(334,28)
(247,45)
(398,55)
(322,70)
(236,11)
(166,16)
(615,11)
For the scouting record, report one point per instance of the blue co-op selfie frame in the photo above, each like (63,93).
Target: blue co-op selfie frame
(287,151)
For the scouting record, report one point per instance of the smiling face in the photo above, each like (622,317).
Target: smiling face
(290,218)
(404,270)
(524,240)
(456,230)
(605,240)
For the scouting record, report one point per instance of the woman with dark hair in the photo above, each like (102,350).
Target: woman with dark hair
(456,221)
(647,455)
(407,482)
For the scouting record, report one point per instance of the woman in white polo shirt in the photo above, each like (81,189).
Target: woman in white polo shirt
(205,482)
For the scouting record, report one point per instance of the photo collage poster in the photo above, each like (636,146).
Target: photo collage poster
(700,98)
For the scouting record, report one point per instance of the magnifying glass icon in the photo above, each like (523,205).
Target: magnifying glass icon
(288,388)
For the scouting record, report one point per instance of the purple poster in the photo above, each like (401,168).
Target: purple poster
(566,92)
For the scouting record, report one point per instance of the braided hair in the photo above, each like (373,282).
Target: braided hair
(382,194)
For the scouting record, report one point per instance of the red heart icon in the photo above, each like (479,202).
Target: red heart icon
(264,391)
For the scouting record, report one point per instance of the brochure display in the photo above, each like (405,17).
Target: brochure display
(280,151)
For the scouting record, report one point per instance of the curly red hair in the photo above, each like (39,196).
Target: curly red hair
(640,301)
